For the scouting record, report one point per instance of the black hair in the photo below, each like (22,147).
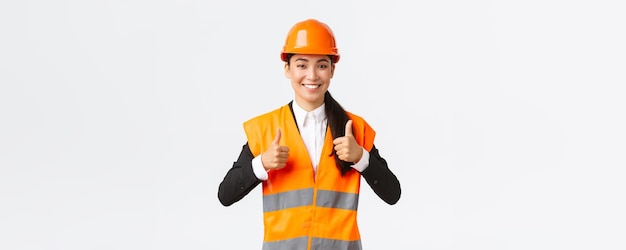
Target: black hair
(336,117)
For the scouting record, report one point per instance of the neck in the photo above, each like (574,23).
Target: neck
(309,106)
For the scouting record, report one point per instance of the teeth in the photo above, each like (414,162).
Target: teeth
(311,86)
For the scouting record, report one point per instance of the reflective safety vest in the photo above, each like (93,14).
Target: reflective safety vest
(301,209)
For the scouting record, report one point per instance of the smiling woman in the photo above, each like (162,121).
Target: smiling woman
(309,155)
(310,78)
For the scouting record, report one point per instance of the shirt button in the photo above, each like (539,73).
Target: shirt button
(375,181)
(241,187)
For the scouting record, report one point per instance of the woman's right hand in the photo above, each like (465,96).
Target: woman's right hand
(276,155)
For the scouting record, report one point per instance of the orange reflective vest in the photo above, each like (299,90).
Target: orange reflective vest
(301,209)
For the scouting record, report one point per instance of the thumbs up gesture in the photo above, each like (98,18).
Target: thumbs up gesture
(276,156)
(346,146)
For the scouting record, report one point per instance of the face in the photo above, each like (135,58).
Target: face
(310,77)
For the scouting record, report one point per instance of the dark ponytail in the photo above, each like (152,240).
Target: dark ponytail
(337,118)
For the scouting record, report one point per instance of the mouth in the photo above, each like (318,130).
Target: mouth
(311,86)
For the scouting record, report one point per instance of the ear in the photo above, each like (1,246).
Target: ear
(332,70)
(286,70)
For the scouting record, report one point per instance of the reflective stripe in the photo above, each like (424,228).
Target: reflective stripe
(333,199)
(316,244)
(324,244)
(296,198)
(290,244)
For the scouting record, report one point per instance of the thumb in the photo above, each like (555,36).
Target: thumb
(349,128)
(277,138)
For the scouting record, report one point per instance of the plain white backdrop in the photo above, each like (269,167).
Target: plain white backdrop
(503,120)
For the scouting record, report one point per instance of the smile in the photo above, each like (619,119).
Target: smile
(311,86)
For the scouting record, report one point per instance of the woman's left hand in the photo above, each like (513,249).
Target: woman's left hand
(346,146)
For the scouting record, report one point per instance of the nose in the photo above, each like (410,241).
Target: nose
(311,74)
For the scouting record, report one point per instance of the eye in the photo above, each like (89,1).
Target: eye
(301,66)
(323,66)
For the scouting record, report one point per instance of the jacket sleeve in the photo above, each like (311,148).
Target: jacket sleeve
(239,180)
(380,178)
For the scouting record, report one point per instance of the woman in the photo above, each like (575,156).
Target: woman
(309,155)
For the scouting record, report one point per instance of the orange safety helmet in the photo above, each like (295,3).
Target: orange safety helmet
(310,37)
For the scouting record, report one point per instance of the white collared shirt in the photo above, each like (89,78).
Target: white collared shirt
(312,126)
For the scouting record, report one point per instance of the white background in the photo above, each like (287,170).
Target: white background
(503,120)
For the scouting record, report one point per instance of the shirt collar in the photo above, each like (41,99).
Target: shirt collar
(300,114)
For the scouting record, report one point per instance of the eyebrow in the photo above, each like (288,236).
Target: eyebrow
(307,60)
